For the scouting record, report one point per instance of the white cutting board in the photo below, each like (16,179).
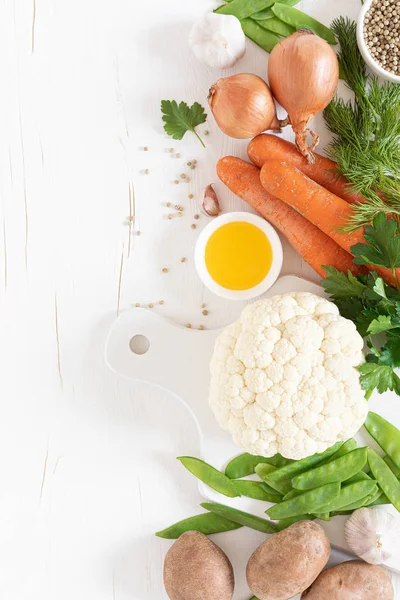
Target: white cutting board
(178,360)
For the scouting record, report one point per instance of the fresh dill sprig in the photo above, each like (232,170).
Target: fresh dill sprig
(366,132)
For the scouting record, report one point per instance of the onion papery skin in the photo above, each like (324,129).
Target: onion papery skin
(303,72)
(243,106)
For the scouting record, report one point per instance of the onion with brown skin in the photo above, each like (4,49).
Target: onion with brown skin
(303,73)
(243,106)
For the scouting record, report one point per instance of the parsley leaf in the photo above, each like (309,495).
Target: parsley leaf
(390,354)
(339,285)
(382,323)
(378,376)
(383,248)
(180,118)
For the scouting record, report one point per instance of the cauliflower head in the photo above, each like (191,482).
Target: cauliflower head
(284,377)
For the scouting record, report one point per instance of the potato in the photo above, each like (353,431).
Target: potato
(288,562)
(195,569)
(352,580)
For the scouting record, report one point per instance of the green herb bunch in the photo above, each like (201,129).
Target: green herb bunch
(373,305)
(366,130)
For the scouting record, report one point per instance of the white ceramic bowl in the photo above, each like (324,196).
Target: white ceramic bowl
(373,65)
(277,256)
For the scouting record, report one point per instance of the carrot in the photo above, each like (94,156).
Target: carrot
(314,246)
(325,210)
(324,171)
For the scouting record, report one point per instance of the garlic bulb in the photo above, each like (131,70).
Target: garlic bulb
(372,534)
(218,40)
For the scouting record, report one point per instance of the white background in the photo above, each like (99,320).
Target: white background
(87,460)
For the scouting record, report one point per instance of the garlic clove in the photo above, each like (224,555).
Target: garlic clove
(218,40)
(209,204)
(372,534)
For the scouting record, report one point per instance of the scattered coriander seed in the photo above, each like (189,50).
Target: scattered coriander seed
(177,155)
(193,226)
(179,214)
(201,327)
(183,259)
(196,217)
(137,304)
(168,204)
(205,312)
(161,302)
(187,179)
(164,270)
(178,207)
(172,150)
(194,161)
(189,164)
(190,196)
(138,233)
(151,305)
(146,171)
(170,216)
(193,166)
(188,325)
(206,132)
(176,181)
(203,305)
(183,176)
(145,149)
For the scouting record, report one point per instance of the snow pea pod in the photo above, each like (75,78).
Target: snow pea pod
(206,523)
(267,12)
(345,448)
(385,434)
(387,480)
(284,523)
(299,20)
(382,499)
(282,487)
(243,8)
(360,503)
(277,26)
(240,517)
(350,494)
(260,36)
(336,471)
(392,465)
(210,476)
(299,466)
(292,494)
(256,490)
(307,503)
(360,476)
(244,464)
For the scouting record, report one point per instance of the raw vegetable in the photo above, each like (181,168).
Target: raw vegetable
(210,476)
(218,40)
(209,202)
(366,132)
(303,73)
(392,465)
(259,35)
(335,471)
(300,466)
(274,377)
(309,502)
(240,517)
(206,523)
(244,464)
(267,12)
(372,534)
(314,246)
(287,562)
(277,26)
(180,118)
(299,20)
(353,579)
(243,105)
(285,523)
(242,9)
(385,477)
(256,490)
(349,494)
(195,568)
(266,147)
(386,435)
(329,213)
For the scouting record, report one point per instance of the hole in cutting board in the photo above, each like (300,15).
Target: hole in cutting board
(139,344)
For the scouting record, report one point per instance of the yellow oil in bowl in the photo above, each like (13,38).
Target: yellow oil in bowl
(238,255)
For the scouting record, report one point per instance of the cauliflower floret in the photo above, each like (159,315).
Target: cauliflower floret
(284,377)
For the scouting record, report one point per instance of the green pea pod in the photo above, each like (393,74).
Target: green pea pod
(299,466)
(385,434)
(263,471)
(210,476)
(308,503)
(392,465)
(345,448)
(260,36)
(285,523)
(360,476)
(206,523)
(382,499)
(373,497)
(277,26)
(256,490)
(362,502)
(387,480)
(267,488)
(244,8)
(267,12)
(323,516)
(244,464)
(350,494)
(299,20)
(336,471)
(240,517)
(292,494)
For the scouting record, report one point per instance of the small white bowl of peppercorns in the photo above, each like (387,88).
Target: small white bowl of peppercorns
(378,37)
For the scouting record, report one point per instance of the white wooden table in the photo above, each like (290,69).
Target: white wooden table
(87,460)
